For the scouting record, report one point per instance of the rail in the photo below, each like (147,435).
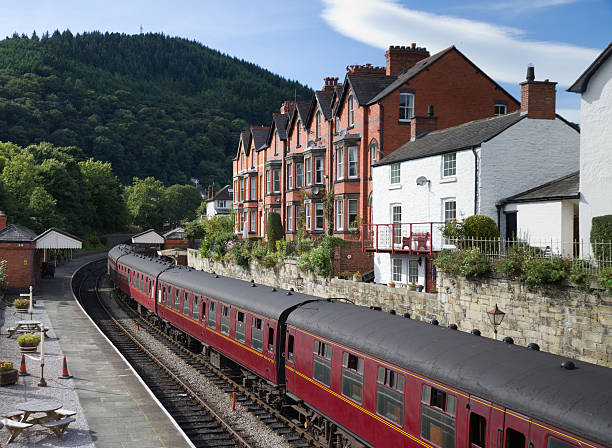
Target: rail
(404,237)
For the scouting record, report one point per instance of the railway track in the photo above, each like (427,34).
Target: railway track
(203,426)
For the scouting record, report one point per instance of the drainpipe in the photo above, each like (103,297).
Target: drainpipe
(476,176)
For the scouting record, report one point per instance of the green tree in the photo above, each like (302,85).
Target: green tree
(179,202)
(144,200)
(43,211)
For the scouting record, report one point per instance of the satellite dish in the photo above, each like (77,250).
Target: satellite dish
(421,180)
(315,190)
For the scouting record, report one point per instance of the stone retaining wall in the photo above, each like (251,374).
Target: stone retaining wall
(561,320)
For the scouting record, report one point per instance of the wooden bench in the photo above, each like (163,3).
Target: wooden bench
(12,331)
(13,415)
(14,427)
(63,413)
(59,427)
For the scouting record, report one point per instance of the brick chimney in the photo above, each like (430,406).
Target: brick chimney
(399,58)
(538,97)
(365,70)
(287,107)
(330,83)
(2,220)
(419,125)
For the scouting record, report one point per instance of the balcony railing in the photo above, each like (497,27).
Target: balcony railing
(409,237)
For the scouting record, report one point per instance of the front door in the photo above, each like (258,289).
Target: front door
(511,225)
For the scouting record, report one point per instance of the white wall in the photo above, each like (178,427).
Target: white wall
(530,153)
(596,150)
(211,211)
(382,267)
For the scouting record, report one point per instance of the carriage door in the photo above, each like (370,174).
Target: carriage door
(290,357)
(516,431)
(483,422)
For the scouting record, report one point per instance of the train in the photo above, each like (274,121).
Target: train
(360,377)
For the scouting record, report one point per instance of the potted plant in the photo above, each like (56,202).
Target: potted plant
(8,375)
(357,276)
(391,284)
(21,305)
(28,342)
(419,288)
(412,286)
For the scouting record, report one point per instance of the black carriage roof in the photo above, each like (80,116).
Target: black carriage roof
(259,299)
(527,381)
(145,264)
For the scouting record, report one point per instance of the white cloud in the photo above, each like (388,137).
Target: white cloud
(520,6)
(502,52)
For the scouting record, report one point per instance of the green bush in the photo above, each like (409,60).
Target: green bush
(319,259)
(580,275)
(270,260)
(452,230)
(21,303)
(275,230)
(282,248)
(240,255)
(601,232)
(605,279)
(259,252)
(512,263)
(538,271)
(465,262)
(28,339)
(479,226)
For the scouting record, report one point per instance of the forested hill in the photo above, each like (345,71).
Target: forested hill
(150,104)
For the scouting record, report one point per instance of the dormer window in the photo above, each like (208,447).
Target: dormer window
(351,111)
(406,106)
(318,124)
(299,134)
(500,109)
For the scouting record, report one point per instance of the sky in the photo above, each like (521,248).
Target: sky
(307,40)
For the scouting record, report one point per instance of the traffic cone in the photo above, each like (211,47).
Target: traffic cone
(22,367)
(65,375)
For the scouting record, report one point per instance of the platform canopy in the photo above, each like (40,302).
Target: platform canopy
(148,237)
(57,239)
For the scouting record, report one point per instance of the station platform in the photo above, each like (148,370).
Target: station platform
(114,409)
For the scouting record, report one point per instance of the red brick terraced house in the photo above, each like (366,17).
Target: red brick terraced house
(328,144)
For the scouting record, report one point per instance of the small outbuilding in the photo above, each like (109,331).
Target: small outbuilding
(148,240)
(175,238)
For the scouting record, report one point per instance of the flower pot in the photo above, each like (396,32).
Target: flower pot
(419,289)
(28,348)
(8,377)
(411,287)
(391,285)
(356,279)
(22,309)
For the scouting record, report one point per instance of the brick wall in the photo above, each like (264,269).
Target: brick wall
(23,264)
(349,257)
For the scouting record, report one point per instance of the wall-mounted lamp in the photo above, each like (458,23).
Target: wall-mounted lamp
(496,316)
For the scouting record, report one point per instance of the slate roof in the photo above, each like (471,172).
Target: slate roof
(280,122)
(260,136)
(245,138)
(566,187)
(583,81)
(303,109)
(63,232)
(223,193)
(324,100)
(463,136)
(366,87)
(15,232)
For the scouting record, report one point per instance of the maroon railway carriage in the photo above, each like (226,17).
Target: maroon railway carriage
(393,382)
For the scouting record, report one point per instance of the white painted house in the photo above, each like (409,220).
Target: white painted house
(454,173)
(595,86)
(219,203)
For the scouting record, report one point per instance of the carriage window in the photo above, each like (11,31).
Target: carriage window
(164,294)
(389,395)
(478,430)
(212,315)
(270,339)
(553,442)
(257,334)
(514,439)
(225,320)
(186,304)
(195,308)
(290,348)
(321,364)
(352,376)
(438,417)
(239,329)
(177,299)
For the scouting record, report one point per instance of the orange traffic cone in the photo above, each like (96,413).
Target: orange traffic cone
(65,375)
(22,367)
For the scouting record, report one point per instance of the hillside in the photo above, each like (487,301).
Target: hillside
(152,105)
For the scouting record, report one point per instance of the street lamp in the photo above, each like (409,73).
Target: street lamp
(496,316)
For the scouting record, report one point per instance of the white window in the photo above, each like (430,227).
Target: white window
(413,271)
(373,151)
(318,124)
(450,210)
(339,161)
(337,125)
(406,106)
(289,176)
(318,216)
(449,164)
(352,161)
(299,174)
(299,133)
(500,109)
(253,221)
(308,171)
(339,214)
(318,170)
(268,181)
(276,143)
(396,219)
(352,213)
(307,216)
(289,218)
(221,204)
(276,180)
(351,111)
(396,274)
(395,173)
(253,188)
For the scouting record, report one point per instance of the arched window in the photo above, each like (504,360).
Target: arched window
(373,146)
(351,112)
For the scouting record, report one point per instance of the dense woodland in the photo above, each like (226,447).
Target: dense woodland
(151,105)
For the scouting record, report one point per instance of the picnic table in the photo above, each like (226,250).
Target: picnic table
(27,326)
(54,418)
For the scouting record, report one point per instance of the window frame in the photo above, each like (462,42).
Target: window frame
(323,357)
(395,173)
(350,374)
(253,221)
(299,174)
(289,218)
(497,113)
(349,214)
(299,133)
(225,319)
(289,176)
(449,164)
(253,188)
(426,402)
(212,314)
(406,111)
(318,124)
(242,327)
(445,209)
(307,216)
(318,170)
(395,383)
(319,206)
(339,215)
(353,164)
(351,111)
(257,328)
(276,180)
(397,269)
(195,307)
(339,163)
(308,170)
(413,270)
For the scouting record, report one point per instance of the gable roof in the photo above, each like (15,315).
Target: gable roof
(581,84)
(54,238)
(260,136)
(463,136)
(245,141)
(223,193)
(566,187)
(149,236)
(280,123)
(364,87)
(324,101)
(179,231)
(15,232)
(302,109)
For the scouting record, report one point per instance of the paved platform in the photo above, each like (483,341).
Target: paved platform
(118,410)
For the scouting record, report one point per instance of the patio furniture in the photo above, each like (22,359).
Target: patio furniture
(59,427)
(13,415)
(27,326)
(48,407)
(15,428)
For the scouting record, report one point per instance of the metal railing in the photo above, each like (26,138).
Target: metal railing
(408,237)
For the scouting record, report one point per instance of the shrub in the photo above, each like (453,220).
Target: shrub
(452,230)
(601,232)
(282,248)
(240,255)
(270,260)
(28,339)
(21,303)
(479,226)
(5,365)
(258,252)
(579,274)
(465,262)
(319,259)
(605,279)
(274,231)
(538,271)
(447,261)
(512,263)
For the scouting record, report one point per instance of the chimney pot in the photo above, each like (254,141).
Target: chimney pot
(2,220)
(400,58)
(530,73)
(413,45)
(538,97)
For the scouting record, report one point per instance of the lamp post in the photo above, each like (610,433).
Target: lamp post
(496,316)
